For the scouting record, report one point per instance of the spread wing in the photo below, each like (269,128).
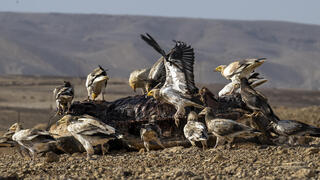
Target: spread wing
(153,43)
(178,65)
(179,69)
(157,74)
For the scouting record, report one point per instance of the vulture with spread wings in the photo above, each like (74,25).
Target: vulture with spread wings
(179,88)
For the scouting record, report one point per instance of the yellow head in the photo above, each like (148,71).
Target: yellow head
(14,127)
(220,68)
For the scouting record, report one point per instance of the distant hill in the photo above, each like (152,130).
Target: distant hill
(73,44)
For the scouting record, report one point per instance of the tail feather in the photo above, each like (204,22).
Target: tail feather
(153,43)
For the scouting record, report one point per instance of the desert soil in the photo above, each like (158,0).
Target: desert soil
(30,98)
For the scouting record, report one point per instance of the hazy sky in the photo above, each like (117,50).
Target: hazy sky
(304,11)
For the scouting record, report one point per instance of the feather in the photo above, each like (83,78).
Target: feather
(153,43)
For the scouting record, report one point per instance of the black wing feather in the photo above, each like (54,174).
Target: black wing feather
(153,43)
(182,56)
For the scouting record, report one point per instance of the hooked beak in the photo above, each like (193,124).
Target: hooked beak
(218,69)
(150,93)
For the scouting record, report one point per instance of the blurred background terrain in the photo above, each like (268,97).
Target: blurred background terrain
(54,44)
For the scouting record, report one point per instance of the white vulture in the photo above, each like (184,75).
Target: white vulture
(151,132)
(179,88)
(90,132)
(239,69)
(147,79)
(225,128)
(195,131)
(138,79)
(30,138)
(63,96)
(96,83)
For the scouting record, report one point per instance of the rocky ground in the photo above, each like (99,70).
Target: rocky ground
(243,161)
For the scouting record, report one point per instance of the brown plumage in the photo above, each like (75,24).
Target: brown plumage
(151,132)
(255,100)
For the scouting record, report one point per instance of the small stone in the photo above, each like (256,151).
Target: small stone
(231,169)
(141,151)
(312,150)
(282,151)
(127,173)
(175,149)
(178,173)
(198,178)
(51,157)
(218,158)
(189,174)
(304,173)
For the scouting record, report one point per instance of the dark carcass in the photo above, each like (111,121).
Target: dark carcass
(128,114)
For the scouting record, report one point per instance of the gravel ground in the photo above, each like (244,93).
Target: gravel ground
(242,161)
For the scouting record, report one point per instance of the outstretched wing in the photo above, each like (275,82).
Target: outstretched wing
(179,69)
(157,75)
(153,43)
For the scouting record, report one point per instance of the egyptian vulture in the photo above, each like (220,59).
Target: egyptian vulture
(255,100)
(63,95)
(147,79)
(29,139)
(96,82)
(239,69)
(138,79)
(195,131)
(234,86)
(90,131)
(294,128)
(157,75)
(179,88)
(151,132)
(225,128)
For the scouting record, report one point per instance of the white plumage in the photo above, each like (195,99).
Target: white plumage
(30,138)
(179,88)
(234,85)
(138,79)
(195,131)
(90,131)
(239,69)
(96,83)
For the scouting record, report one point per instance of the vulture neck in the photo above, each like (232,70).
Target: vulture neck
(209,116)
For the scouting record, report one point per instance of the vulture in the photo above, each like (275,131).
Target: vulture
(63,95)
(195,131)
(179,88)
(96,83)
